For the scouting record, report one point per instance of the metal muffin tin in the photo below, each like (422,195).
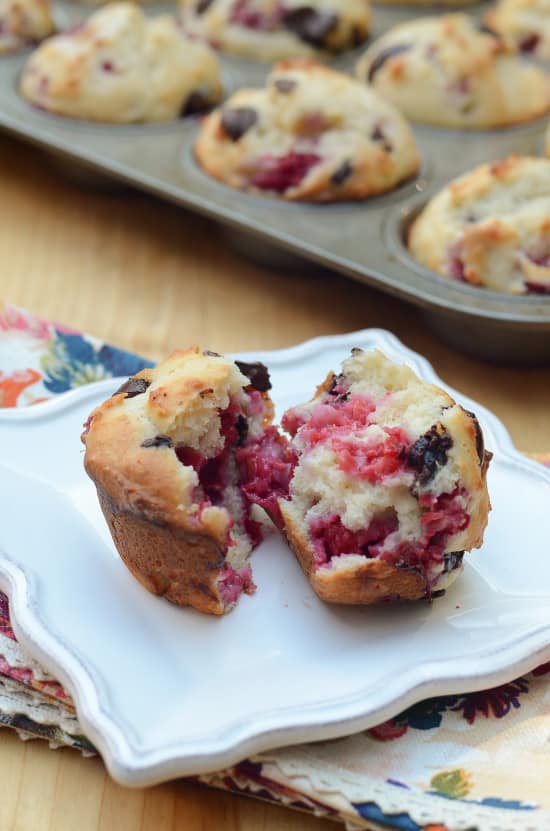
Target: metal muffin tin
(363,240)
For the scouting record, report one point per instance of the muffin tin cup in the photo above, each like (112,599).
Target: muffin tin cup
(363,240)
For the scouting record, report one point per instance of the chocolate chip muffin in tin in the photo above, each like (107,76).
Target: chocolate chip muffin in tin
(24,23)
(449,71)
(490,228)
(120,66)
(388,487)
(162,452)
(272,29)
(524,23)
(311,134)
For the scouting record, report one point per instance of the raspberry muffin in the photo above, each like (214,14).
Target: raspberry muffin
(161,453)
(490,227)
(389,484)
(23,23)
(312,134)
(451,72)
(273,29)
(120,66)
(525,23)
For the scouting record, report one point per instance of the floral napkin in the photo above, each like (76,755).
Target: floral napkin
(455,763)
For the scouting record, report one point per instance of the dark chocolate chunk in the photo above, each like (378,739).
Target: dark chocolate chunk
(530,43)
(133,386)
(486,30)
(379,135)
(438,593)
(242,429)
(202,6)
(285,85)
(358,35)
(257,374)
(430,452)
(236,121)
(196,103)
(383,56)
(158,441)
(342,174)
(452,560)
(310,25)
(480,446)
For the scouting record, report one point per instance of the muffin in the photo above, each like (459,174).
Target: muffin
(23,23)
(389,485)
(271,29)
(119,66)
(449,71)
(490,227)
(525,23)
(311,134)
(161,452)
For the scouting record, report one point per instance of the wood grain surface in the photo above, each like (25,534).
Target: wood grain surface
(149,277)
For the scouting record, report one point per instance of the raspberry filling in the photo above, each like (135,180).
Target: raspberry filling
(232,583)
(389,456)
(216,474)
(279,173)
(266,466)
(332,539)
(243,15)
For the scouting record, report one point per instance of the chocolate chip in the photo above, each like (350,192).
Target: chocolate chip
(358,36)
(236,121)
(486,30)
(438,593)
(530,43)
(430,452)
(158,441)
(452,560)
(480,445)
(211,354)
(257,374)
(242,429)
(133,386)
(310,25)
(342,174)
(202,6)
(196,103)
(379,135)
(285,85)
(384,56)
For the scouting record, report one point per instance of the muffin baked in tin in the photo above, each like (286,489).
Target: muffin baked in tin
(24,23)
(120,66)
(449,71)
(490,228)
(525,23)
(272,29)
(311,134)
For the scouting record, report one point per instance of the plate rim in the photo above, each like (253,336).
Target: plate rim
(131,766)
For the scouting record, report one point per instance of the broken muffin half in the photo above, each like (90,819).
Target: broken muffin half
(388,485)
(161,452)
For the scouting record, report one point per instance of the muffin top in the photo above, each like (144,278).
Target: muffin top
(24,23)
(451,72)
(490,227)
(273,29)
(524,23)
(311,134)
(120,66)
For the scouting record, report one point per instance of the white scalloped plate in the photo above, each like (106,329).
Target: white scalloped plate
(165,691)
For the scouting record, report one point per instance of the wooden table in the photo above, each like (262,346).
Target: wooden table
(150,277)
